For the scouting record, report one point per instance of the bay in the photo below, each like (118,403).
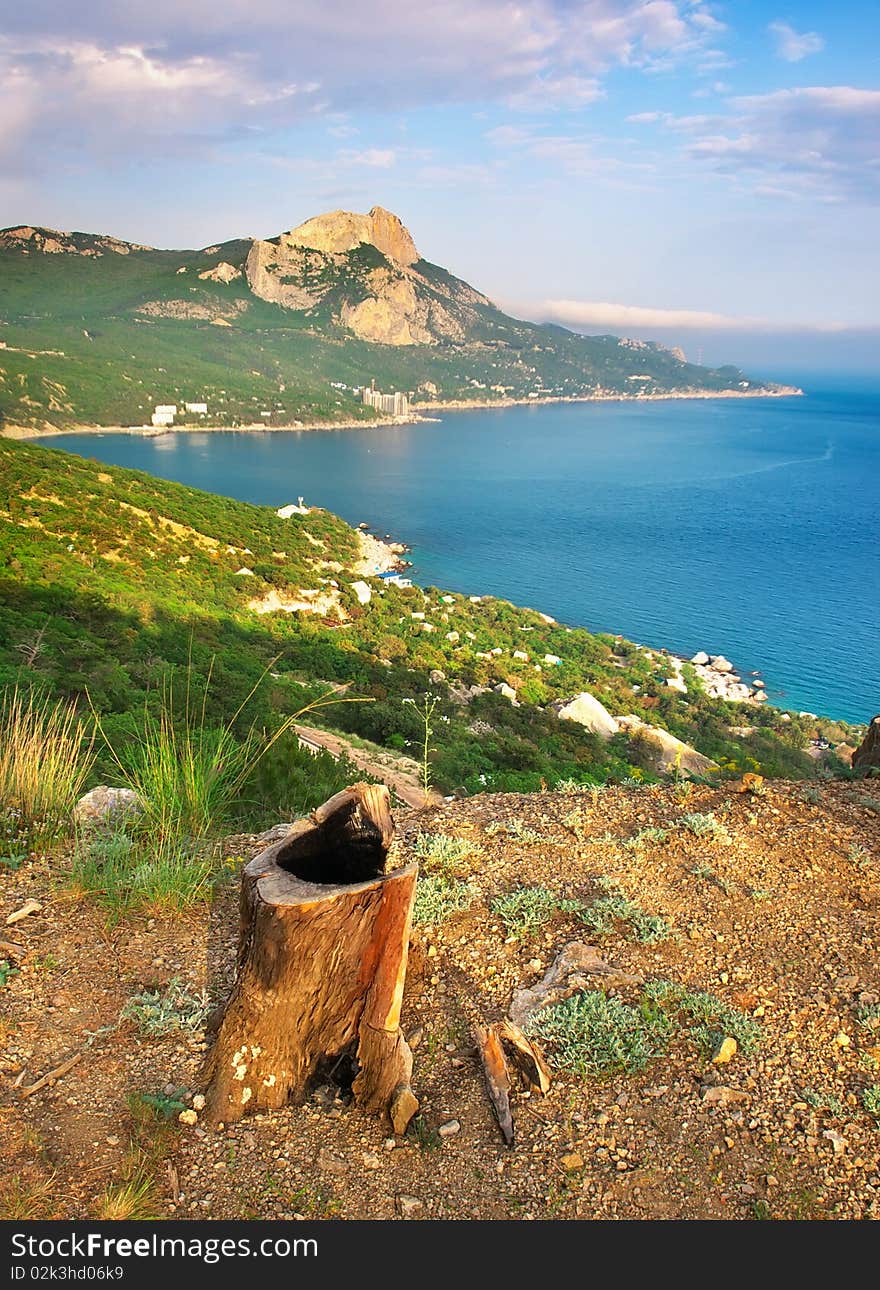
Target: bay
(741,526)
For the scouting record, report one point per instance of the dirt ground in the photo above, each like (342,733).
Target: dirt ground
(775,912)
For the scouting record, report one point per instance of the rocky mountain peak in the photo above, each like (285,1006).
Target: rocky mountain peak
(341,231)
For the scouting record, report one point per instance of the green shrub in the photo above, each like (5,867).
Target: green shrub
(592,1033)
(438,898)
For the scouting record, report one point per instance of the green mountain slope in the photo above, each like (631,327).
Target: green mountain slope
(96,331)
(112,581)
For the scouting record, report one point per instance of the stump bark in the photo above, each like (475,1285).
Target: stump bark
(323,942)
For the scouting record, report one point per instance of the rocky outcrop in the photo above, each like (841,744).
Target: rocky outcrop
(207,310)
(369,267)
(221,272)
(867,755)
(49,241)
(587,711)
(341,231)
(664,751)
(278,272)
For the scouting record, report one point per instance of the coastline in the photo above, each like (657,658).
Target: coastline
(783,391)
(451,405)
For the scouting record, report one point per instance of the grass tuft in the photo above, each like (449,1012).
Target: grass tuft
(45,759)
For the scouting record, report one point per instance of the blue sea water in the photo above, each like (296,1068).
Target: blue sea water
(748,527)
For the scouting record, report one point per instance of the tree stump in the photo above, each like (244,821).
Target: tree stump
(323,942)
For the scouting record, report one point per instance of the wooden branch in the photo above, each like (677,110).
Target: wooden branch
(52,1076)
(527,1057)
(497,1074)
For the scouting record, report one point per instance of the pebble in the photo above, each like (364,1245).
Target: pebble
(330,1162)
(188,1117)
(371,1160)
(725,1050)
(408,1206)
(199,1102)
(574,1160)
(721,1095)
(449,1129)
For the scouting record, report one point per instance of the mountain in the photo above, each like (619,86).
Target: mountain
(97,331)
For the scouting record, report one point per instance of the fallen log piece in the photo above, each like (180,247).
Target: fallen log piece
(497,1074)
(527,1057)
(324,936)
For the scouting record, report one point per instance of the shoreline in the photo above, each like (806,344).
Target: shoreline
(784,391)
(452,405)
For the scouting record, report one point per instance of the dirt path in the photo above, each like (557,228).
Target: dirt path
(401,774)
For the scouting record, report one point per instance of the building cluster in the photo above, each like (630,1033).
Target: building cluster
(164,413)
(396,405)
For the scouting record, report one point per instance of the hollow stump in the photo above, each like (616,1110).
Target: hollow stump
(321,966)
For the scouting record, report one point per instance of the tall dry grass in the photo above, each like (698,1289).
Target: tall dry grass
(46,754)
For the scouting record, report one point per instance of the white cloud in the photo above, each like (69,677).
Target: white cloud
(122,78)
(820,142)
(792,45)
(602,315)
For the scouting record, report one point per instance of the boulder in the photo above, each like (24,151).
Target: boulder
(587,711)
(721,664)
(867,755)
(701,659)
(666,753)
(676,683)
(105,806)
(506,690)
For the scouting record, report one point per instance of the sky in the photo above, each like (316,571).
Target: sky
(698,173)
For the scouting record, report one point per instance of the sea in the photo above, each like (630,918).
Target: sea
(748,527)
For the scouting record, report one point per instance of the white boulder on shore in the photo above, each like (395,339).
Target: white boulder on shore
(587,711)
(667,753)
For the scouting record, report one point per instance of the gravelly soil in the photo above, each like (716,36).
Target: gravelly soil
(778,918)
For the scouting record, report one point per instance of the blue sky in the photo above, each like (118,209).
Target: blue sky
(706,174)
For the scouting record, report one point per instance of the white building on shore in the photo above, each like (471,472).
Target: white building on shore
(396,405)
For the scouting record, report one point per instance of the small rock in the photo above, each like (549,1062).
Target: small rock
(330,1162)
(199,1102)
(408,1206)
(725,1050)
(112,1141)
(574,1160)
(721,1095)
(371,1160)
(837,1140)
(415,1037)
(188,1117)
(449,1129)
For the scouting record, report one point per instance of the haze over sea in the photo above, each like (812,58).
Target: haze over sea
(747,527)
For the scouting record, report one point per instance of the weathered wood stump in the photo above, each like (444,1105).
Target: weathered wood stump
(322,955)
